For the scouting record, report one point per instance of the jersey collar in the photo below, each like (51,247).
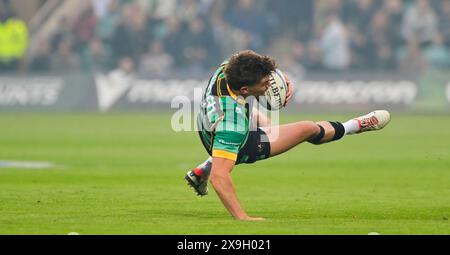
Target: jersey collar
(239,99)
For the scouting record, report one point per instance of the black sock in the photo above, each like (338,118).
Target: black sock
(316,140)
(339,130)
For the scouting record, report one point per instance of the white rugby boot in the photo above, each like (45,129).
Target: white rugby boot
(375,120)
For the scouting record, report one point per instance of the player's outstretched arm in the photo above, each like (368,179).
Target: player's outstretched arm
(220,179)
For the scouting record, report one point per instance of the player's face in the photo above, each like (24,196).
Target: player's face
(258,89)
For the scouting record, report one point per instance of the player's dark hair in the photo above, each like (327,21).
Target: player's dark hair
(248,68)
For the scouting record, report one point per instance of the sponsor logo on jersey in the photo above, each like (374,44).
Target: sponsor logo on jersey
(228,143)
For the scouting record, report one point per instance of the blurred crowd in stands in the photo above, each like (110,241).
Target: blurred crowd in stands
(13,38)
(158,37)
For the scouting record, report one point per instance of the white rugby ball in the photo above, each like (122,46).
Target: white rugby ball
(277,92)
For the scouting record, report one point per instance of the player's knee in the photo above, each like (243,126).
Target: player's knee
(317,133)
(311,128)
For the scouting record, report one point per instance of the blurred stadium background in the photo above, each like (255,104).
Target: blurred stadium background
(64,62)
(340,53)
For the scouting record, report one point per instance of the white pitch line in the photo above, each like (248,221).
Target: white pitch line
(25,164)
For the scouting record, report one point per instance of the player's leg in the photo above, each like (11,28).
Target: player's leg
(198,178)
(283,138)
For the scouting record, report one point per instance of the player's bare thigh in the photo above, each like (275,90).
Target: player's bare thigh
(284,137)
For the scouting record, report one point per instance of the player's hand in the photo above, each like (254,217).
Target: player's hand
(249,218)
(290,89)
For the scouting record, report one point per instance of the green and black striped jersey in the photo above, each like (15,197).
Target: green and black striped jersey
(224,118)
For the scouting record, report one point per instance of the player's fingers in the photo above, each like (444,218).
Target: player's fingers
(256,219)
(288,98)
(289,93)
(248,218)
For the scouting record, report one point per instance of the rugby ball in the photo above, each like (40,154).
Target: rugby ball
(277,92)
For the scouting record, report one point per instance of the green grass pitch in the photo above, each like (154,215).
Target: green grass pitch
(123,174)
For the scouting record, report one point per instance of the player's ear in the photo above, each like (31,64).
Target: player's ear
(244,91)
